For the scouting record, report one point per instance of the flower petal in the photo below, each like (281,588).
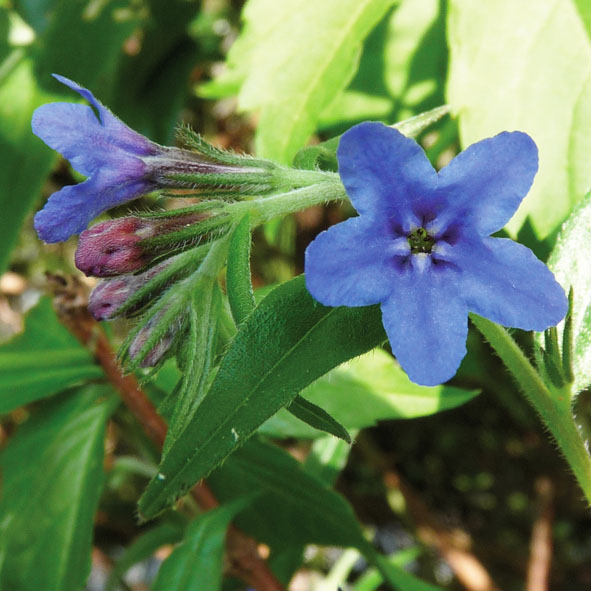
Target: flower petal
(123,137)
(505,282)
(426,320)
(486,182)
(351,264)
(69,211)
(382,170)
(87,142)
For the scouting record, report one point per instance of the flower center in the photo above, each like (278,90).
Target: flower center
(420,241)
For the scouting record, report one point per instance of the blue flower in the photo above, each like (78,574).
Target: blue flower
(102,148)
(421,245)
(121,165)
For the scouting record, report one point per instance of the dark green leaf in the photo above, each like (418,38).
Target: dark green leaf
(196,565)
(45,359)
(143,547)
(317,417)
(365,390)
(238,279)
(52,478)
(284,345)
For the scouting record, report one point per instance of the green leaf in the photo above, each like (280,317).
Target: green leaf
(52,478)
(365,390)
(289,91)
(540,83)
(317,417)
(196,564)
(261,373)
(327,458)
(42,361)
(143,547)
(238,279)
(584,8)
(569,261)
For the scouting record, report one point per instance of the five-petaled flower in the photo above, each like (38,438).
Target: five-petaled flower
(121,164)
(421,246)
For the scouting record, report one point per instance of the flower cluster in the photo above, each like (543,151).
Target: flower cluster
(421,245)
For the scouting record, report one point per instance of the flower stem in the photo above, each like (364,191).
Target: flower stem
(552,404)
(264,209)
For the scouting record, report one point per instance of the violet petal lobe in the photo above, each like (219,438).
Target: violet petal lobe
(486,182)
(505,282)
(427,325)
(351,264)
(382,169)
(69,211)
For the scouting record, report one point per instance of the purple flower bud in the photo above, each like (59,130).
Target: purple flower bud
(122,165)
(159,350)
(113,247)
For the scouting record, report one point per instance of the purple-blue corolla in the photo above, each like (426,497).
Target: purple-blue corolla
(121,164)
(421,245)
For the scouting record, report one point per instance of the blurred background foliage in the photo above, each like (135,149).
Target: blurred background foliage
(473,482)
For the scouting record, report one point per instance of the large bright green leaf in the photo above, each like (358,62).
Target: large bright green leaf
(42,361)
(292,59)
(570,262)
(283,346)
(52,472)
(402,67)
(196,564)
(365,390)
(540,83)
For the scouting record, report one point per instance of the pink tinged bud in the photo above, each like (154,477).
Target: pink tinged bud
(113,247)
(109,295)
(157,352)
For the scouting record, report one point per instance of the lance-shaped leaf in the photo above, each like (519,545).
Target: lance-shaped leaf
(52,478)
(284,345)
(42,361)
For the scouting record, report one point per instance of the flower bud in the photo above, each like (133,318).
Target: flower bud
(159,350)
(113,247)
(120,246)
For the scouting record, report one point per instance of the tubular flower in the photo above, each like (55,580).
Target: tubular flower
(121,164)
(421,245)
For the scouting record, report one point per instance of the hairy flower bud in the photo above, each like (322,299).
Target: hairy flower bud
(121,246)
(158,350)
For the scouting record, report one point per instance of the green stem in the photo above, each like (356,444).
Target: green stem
(553,406)
(264,209)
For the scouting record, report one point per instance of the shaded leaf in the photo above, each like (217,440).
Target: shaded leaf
(261,373)
(42,361)
(540,83)
(317,417)
(196,564)
(52,478)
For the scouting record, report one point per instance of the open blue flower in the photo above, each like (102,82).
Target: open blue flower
(421,246)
